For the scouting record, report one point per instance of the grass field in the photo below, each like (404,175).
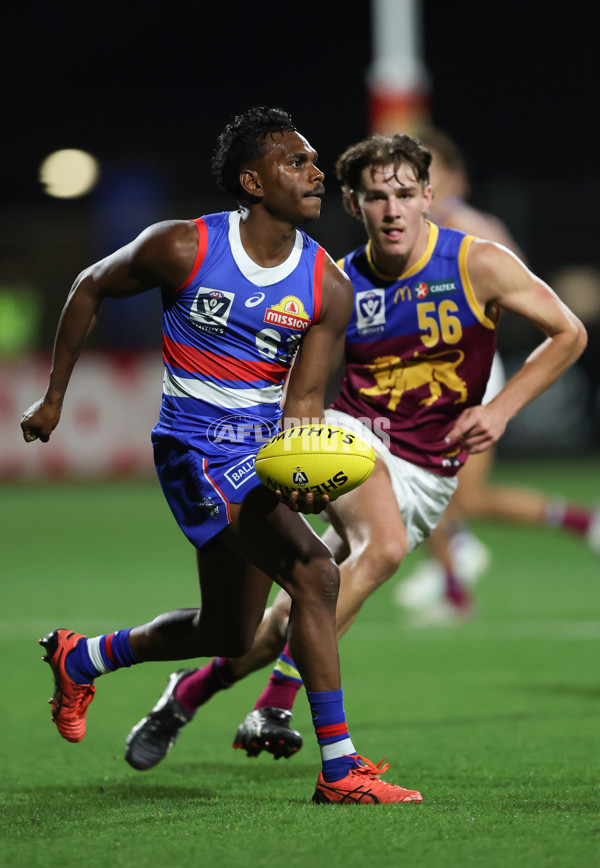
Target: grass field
(495,721)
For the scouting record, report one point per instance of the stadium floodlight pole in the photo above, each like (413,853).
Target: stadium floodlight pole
(397,82)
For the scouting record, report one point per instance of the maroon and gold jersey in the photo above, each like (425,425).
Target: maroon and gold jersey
(419,349)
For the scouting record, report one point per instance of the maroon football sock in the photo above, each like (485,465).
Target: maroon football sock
(198,687)
(576,519)
(283,685)
(278,694)
(569,516)
(455,592)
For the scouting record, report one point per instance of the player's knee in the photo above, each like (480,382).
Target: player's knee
(384,558)
(317,581)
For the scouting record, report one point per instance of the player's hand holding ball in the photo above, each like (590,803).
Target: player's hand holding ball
(312,465)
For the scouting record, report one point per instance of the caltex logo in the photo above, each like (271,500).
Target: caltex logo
(421,290)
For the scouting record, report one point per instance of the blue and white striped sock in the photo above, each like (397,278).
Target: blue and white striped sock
(329,718)
(96,656)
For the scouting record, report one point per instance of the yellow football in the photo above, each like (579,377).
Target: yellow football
(324,459)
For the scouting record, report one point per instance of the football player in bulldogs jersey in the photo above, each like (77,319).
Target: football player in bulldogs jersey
(419,348)
(244,293)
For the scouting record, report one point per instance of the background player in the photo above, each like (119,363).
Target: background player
(221,276)
(438,588)
(419,348)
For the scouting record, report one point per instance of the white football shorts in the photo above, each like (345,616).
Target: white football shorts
(496,380)
(421,496)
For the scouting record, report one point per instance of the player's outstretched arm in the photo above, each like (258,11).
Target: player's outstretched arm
(161,255)
(500,280)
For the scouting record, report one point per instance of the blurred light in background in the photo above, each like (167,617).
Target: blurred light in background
(69,173)
(398,83)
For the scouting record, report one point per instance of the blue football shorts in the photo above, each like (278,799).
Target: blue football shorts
(199,484)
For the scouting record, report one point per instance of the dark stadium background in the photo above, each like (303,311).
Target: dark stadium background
(495,720)
(515,83)
(147,87)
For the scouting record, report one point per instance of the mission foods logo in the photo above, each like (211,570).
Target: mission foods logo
(289,313)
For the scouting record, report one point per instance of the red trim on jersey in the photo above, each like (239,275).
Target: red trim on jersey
(108,648)
(200,253)
(216,488)
(318,282)
(196,361)
(331,730)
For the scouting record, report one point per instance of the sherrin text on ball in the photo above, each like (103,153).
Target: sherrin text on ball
(324,459)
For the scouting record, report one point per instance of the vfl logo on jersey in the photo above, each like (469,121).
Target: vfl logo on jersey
(210,310)
(299,477)
(370,311)
(421,290)
(289,313)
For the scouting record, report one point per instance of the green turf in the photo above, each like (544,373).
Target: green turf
(495,721)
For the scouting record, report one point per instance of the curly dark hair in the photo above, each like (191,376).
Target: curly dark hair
(243,141)
(378,151)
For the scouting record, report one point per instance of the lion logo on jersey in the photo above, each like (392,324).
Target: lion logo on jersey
(395,376)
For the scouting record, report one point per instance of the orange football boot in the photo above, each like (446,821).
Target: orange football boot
(70,700)
(362,786)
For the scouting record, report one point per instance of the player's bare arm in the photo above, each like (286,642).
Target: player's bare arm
(321,350)
(318,358)
(162,255)
(502,282)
